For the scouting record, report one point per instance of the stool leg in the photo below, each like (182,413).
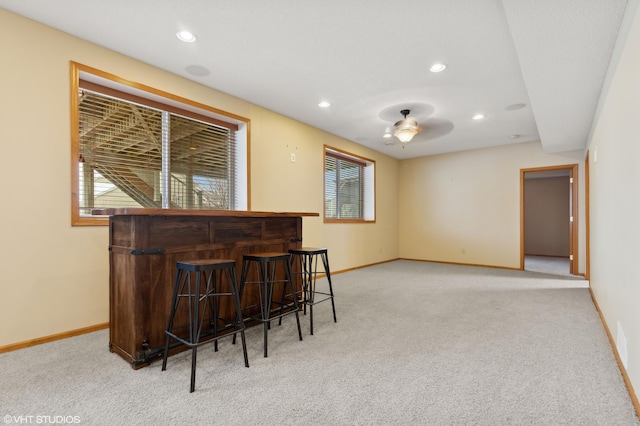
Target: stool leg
(283,297)
(233,282)
(174,306)
(313,273)
(265,305)
(215,306)
(194,327)
(327,271)
(211,292)
(287,271)
(292,260)
(306,279)
(194,352)
(243,278)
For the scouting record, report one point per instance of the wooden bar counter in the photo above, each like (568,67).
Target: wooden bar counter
(144,246)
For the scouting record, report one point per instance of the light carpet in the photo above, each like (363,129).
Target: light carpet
(415,343)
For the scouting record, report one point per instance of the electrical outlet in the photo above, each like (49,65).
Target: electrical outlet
(293,157)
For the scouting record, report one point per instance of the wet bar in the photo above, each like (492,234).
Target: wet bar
(144,246)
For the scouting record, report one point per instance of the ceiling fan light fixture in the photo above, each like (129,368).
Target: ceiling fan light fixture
(406,128)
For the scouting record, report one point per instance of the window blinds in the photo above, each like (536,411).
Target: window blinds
(344,187)
(121,154)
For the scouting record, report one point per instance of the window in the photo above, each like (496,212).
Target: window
(137,147)
(349,187)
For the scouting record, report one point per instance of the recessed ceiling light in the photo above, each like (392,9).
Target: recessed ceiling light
(324,104)
(479,117)
(437,67)
(186,36)
(387,135)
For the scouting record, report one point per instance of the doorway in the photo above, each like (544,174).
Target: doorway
(549,219)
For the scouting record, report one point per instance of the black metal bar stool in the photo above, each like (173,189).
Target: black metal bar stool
(208,273)
(266,265)
(305,263)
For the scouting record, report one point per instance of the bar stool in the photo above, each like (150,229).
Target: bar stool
(208,272)
(307,260)
(265,267)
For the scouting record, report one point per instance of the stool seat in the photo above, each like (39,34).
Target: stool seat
(208,273)
(266,256)
(306,261)
(266,266)
(308,250)
(205,264)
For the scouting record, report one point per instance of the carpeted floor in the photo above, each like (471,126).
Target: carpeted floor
(547,265)
(415,343)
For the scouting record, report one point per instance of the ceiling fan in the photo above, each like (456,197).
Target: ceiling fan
(406,128)
(424,127)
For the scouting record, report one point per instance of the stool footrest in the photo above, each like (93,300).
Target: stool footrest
(315,302)
(307,302)
(207,337)
(289,309)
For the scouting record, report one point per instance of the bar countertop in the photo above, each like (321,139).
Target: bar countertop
(182,212)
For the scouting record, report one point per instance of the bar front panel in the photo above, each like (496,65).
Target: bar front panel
(143,255)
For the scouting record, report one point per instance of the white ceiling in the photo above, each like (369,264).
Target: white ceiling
(371,59)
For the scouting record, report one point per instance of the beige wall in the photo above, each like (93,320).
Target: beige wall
(55,276)
(465,207)
(614,153)
(273,139)
(546,216)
